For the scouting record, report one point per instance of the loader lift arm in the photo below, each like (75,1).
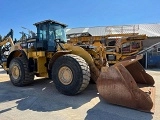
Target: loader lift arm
(6,40)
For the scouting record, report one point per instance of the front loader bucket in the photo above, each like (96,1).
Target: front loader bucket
(127,84)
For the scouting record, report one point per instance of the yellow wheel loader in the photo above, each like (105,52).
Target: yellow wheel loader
(71,66)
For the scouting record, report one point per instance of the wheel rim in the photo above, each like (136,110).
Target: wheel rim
(65,75)
(15,72)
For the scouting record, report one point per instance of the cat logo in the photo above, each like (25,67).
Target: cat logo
(30,45)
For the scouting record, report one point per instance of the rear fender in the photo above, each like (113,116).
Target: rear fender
(13,54)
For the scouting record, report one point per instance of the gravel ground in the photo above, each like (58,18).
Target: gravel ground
(41,101)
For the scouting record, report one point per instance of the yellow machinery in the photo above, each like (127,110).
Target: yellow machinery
(71,66)
(118,46)
(5,44)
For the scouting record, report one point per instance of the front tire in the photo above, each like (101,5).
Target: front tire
(71,74)
(19,73)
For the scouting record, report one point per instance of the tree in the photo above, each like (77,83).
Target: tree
(0,37)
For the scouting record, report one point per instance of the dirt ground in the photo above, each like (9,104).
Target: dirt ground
(41,101)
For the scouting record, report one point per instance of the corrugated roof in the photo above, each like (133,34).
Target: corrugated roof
(151,30)
(97,31)
(75,30)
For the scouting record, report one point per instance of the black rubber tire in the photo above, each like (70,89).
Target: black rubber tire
(80,71)
(25,77)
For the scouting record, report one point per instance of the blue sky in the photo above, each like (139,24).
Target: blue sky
(76,13)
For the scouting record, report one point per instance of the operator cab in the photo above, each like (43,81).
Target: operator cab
(49,32)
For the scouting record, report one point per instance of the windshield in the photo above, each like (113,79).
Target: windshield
(58,31)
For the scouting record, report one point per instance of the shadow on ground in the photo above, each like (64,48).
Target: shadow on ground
(3,72)
(42,96)
(113,112)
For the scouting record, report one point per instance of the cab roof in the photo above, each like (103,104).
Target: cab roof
(49,21)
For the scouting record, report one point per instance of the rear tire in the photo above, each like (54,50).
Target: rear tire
(19,73)
(71,74)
